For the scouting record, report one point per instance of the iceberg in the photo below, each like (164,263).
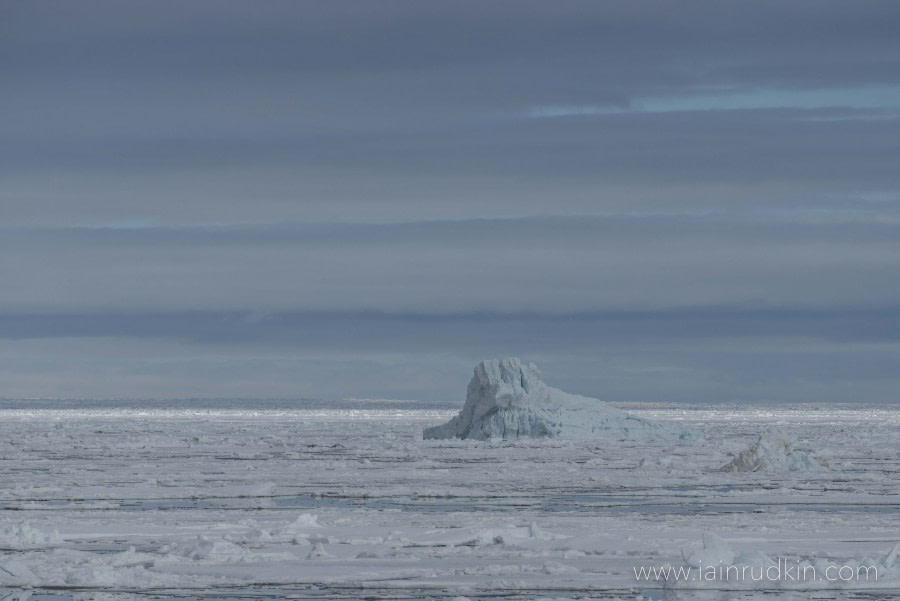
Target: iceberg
(507,399)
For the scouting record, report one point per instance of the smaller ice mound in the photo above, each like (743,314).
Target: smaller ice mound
(715,552)
(22,535)
(774,452)
(299,529)
(507,399)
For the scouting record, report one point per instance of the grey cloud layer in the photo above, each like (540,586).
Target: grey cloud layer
(555,265)
(655,200)
(670,163)
(402,110)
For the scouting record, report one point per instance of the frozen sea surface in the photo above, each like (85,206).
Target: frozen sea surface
(344,500)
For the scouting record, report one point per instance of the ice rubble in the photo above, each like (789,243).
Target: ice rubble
(774,452)
(719,563)
(507,399)
(25,536)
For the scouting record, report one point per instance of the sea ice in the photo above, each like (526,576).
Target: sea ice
(774,452)
(507,399)
(715,552)
(24,536)
(752,569)
(362,506)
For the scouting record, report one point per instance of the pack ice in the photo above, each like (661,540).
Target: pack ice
(507,399)
(775,452)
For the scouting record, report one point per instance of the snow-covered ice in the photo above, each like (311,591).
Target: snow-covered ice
(774,452)
(302,500)
(507,399)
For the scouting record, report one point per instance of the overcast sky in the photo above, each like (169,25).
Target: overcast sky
(654,201)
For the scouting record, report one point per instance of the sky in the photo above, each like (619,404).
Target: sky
(652,201)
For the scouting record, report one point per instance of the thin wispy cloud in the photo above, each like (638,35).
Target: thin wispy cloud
(884,98)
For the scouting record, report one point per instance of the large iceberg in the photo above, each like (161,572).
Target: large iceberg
(507,399)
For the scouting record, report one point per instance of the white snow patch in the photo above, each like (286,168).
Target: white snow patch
(507,399)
